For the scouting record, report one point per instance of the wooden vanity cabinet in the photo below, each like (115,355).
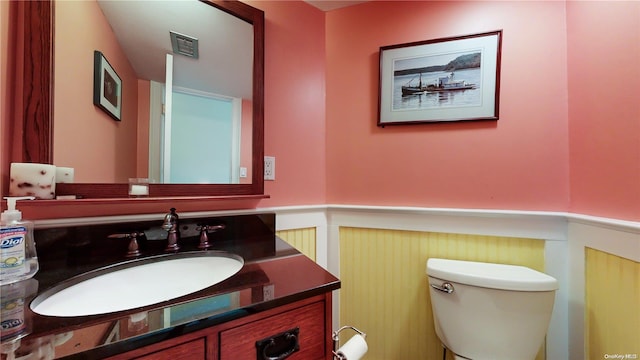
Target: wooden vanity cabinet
(236,339)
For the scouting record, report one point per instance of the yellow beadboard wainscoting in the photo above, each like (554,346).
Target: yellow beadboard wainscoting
(612,305)
(304,240)
(384,283)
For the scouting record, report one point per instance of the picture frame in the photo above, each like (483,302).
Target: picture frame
(107,87)
(441,80)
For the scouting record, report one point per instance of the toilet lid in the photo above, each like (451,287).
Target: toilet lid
(489,275)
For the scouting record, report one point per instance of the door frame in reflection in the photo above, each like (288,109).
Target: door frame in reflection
(205,143)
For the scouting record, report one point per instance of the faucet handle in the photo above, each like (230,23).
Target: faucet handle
(133,249)
(170,222)
(204,234)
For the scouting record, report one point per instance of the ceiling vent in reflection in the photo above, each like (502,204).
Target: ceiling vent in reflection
(184,45)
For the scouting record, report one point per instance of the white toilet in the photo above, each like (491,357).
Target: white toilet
(485,311)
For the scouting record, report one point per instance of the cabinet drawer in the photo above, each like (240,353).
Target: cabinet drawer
(174,349)
(240,342)
(191,350)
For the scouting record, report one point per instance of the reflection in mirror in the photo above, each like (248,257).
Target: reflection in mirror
(139,324)
(37,97)
(184,119)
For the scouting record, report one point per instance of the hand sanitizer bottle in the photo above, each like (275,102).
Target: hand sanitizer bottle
(18,259)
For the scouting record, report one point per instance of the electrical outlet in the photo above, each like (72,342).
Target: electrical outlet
(268,292)
(269,168)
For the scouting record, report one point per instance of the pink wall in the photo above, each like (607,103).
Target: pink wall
(246,139)
(518,162)
(336,154)
(6,94)
(142,136)
(294,102)
(11,68)
(77,121)
(604,108)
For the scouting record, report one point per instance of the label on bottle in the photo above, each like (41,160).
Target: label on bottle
(13,320)
(14,302)
(12,252)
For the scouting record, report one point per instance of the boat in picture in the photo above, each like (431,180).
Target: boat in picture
(447,83)
(412,90)
(443,83)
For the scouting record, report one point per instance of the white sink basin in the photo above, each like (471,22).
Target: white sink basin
(137,283)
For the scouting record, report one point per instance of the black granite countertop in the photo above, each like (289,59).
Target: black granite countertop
(273,274)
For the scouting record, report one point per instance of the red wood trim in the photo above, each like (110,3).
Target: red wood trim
(38,82)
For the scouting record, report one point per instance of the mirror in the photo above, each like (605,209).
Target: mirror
(38,124)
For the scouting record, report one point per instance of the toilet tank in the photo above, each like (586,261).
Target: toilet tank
(495,311)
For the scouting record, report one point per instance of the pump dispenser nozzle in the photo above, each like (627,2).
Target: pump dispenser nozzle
(12,214)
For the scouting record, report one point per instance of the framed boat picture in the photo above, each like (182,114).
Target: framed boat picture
(440,80)
(107,87)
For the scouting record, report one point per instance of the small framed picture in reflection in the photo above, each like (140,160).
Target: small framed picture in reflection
(107,87)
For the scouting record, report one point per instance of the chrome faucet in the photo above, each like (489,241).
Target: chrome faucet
(170,224)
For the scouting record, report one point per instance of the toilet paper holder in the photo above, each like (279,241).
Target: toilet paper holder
(336,341)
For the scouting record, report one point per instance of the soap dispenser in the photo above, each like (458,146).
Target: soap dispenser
(18,259)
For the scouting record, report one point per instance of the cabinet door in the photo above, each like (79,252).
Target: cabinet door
(240,342)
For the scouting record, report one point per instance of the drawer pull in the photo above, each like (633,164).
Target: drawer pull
(278,347)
